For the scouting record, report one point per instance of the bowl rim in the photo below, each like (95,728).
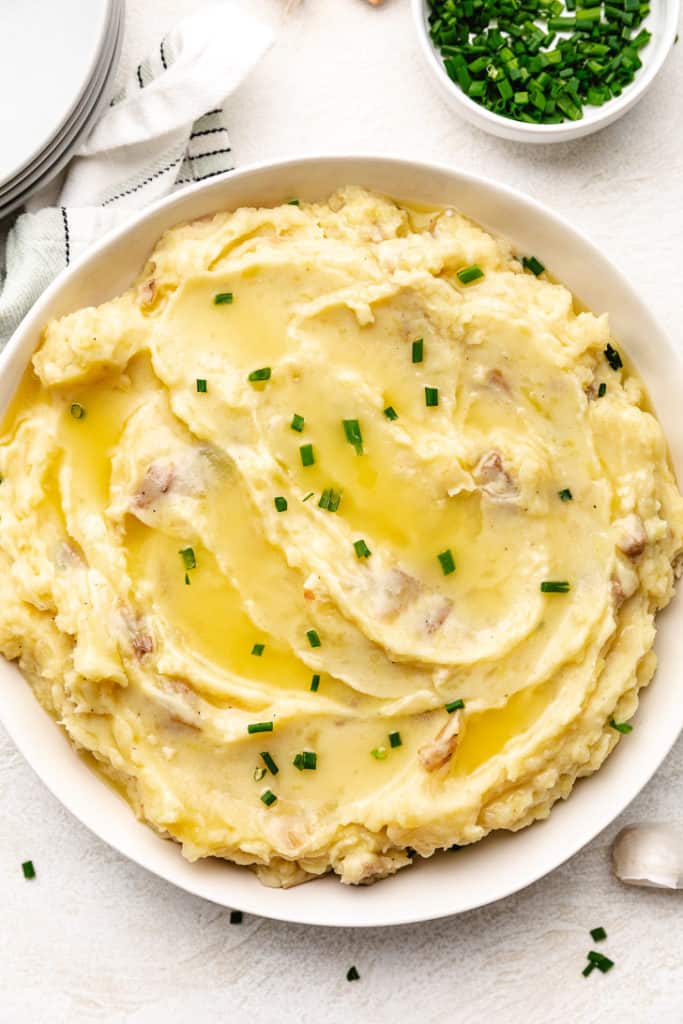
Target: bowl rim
(509,128)
(282,904)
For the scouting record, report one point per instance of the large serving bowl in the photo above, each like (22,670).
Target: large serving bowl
(502,863)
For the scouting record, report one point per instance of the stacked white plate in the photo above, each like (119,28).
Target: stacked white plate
(57,64)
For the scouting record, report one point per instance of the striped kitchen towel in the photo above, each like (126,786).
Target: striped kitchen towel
(167,128)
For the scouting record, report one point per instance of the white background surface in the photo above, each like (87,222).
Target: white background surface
(94,938)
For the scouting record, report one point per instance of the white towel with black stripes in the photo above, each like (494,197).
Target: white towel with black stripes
(167,128)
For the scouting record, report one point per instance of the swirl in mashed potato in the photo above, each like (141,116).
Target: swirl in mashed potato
(301,477)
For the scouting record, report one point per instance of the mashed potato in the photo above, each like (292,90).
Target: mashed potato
(336,538)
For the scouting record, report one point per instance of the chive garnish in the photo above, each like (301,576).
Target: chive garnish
(352,974)
(268,797)
(257,376)
(554,587)
(187,580)
(292,202)
(454,705)
(588,969)
(77,411)
(235,917)
(330,499)
(379,753)
(258,649)
(469,274)
(315,682)
(446,561)
(259,727)
(613,357)
(259,773)
(361,549)
(280,503)
(201,385)
(28,869)
(602,389)
(417,350)
(390,413)
(222,299)
(307,760)
(313,638)
(532,264)
(431,397)
(602,962)
(565,494)
(353,435)
(307,456)
(309,495)
(269,763)
(297,422)
(395,739)
(598,934)
(623,727)
(188,557)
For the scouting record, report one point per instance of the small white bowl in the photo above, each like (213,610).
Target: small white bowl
(662,22)
(505,862)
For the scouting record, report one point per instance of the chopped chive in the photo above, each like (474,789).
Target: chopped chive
(395,739)
(431,397)
(623,727)
(379,753)
(602,390)
(588,969)
(235,917)
(187,580)
(307,760)
(268,797)
(330,499)
(77,411)
(417,350)
(532,264)
(473,273)
(201,385)
(613,357)
(361,549)
(313,638)
(292,202)
(315,683)
(297,422)
(259,727)
(28,869)
(280,503)
(353,435)
(390,413)
(598,934)
(269,763)
(188,557)
(307,456)
(256,376)
(454,705)
(554,587)
(602,962)
(446,561)
(352,974)
(565,494)
(309,495)
(258,649)
(222,299)
(259,773)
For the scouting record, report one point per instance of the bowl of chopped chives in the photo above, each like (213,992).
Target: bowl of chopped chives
(545,70)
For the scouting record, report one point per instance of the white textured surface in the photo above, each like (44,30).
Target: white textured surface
(94,938)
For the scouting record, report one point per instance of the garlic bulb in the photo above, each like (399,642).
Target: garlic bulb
(650,854)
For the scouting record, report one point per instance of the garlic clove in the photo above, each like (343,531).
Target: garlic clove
(649,855)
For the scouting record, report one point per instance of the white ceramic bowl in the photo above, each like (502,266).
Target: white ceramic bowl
(662,22)
(501,864)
